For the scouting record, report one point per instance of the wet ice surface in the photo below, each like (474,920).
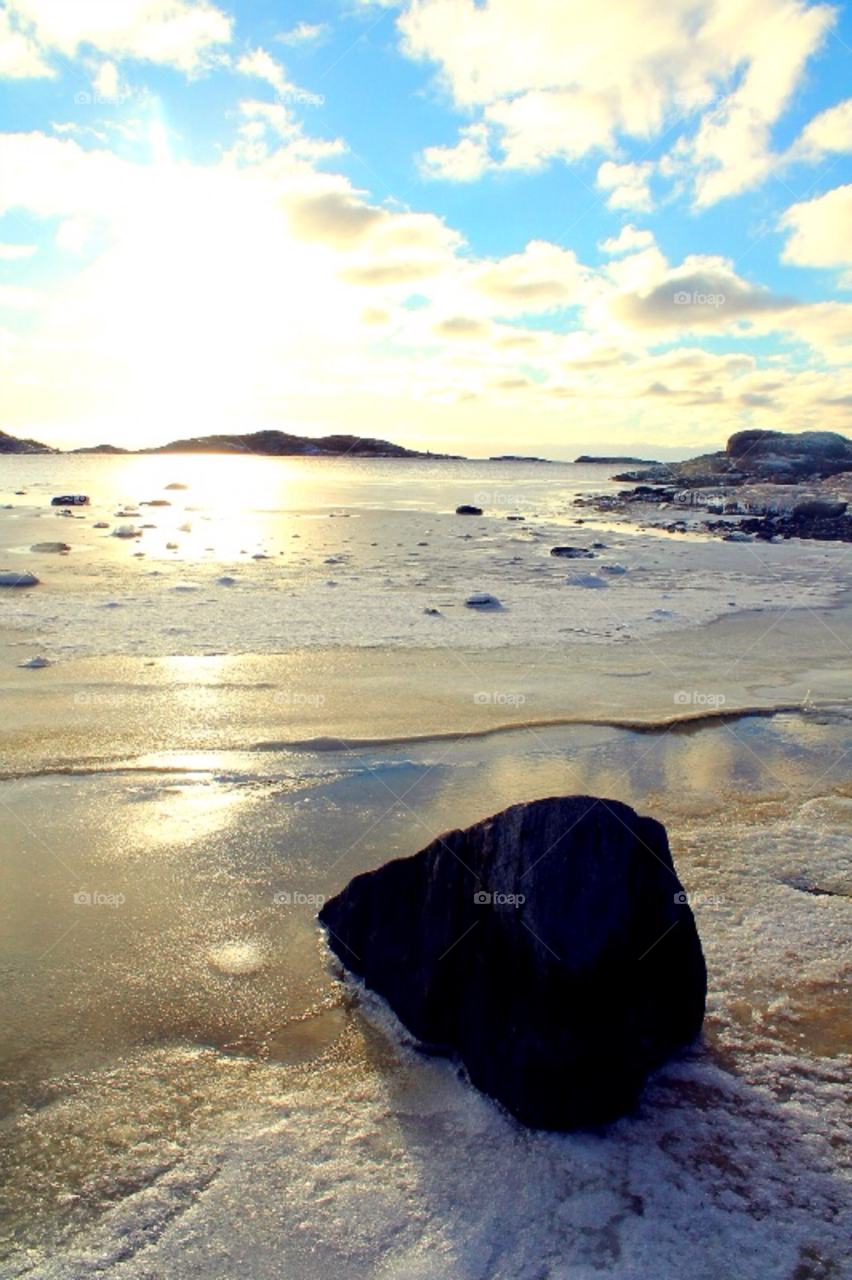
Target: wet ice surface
(408,1173)
(259,567)
(326,1145)
(189,1091)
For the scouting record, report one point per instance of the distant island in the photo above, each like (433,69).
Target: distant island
(278,444)
(270,444)
(635,462)
(10,444)
(514,457)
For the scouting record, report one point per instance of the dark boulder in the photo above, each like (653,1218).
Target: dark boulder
(753,445)
(466,510)
(550,947)
(572,553)
(819,509)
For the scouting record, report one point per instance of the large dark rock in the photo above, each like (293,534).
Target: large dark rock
(753,445)
(757,455)
(581,973)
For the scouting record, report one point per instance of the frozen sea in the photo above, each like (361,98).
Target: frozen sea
(266,708)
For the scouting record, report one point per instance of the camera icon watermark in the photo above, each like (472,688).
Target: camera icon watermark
(484,899)
(95,899)
(484,699)
(286,898)
(292,698)
(497,498)
(84,698)
(83,98)
(699,899)
(684,299)
(684,698)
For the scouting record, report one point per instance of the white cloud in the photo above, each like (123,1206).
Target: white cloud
(820,231)
(562,80)
(263,66)
(20,57)
(176,33)
(825,134)
(628,240)
(628,184)
(464,162)
(302,33)
(15,252)
(261,288)
(539,279)
(732,152)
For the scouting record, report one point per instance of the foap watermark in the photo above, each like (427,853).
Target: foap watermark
(695,299)
(699,99)
(292,698)
(484,699)
(299,98)
(484,899)
(95,899)
(86,99)
(683,899)
(84,698)
(295,898)
(496,498)
(684,698)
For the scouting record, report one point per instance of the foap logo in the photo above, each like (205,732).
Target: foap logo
(484,699)
(699,99)
(299,98)
(292,698)
(83,698)
(696,299)
(286,898)
(95,899)
(498,498)
(484,899)
(699,899)
(684,698)
(101,99)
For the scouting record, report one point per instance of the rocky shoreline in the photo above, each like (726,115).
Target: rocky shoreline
(765,485)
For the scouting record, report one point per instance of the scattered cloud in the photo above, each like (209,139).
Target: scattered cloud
(15,252)
(628,240)
(20,56)
(828,133)
(263,66)
(303,33)
(176,33)
(820,232)
(627,184)
(559,82)
(464,162)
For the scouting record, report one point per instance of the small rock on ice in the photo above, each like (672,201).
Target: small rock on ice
(482,600)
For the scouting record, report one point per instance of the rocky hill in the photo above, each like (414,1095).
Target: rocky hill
(11,444)
(282,444)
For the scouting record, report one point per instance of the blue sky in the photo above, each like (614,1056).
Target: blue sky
(503,226)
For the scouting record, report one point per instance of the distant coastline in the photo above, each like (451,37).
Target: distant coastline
(267,444)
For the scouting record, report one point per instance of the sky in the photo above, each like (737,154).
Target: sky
(475,226)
